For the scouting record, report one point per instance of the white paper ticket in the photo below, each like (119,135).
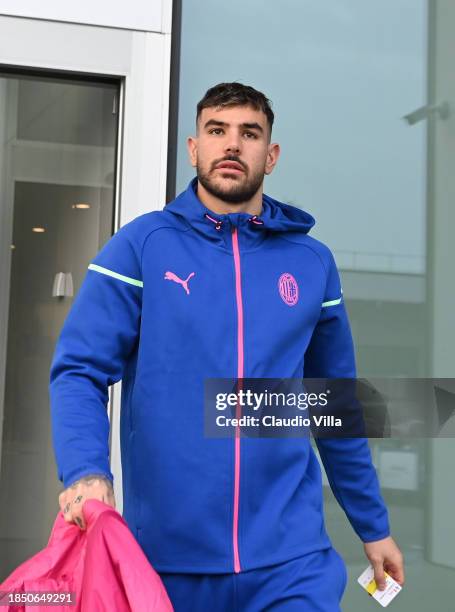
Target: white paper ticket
(367,581)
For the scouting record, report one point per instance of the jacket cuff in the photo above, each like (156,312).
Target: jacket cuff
(374,537)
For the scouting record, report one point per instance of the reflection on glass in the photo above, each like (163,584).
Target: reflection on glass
(341,77)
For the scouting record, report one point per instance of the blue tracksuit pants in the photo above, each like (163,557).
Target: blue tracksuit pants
(311,583)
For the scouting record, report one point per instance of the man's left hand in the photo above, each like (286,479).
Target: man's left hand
(385,555)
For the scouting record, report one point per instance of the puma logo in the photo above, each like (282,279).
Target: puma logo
(173,277)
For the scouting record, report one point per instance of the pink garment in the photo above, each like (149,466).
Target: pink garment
(103,564)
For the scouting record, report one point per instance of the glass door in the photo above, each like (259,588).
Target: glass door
(58,158)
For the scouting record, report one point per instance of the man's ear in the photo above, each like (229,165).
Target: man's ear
(272,157)
(191,145)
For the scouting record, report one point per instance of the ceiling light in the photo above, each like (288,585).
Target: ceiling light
(81,205)
(38,230)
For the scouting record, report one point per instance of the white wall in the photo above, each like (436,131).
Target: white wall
(146,15)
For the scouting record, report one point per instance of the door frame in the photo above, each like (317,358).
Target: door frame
(141,62)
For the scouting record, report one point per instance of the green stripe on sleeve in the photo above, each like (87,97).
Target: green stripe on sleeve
(125,279)
(331,303)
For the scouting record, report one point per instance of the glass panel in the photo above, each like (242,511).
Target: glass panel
(342,77)
(73,113)
(57,168)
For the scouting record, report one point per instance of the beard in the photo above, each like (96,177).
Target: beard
(233,189)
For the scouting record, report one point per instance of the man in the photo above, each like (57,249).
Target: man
(225,282)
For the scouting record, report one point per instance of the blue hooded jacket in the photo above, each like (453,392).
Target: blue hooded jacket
(181,295)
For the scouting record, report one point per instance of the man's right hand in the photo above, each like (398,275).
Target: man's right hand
(94,486)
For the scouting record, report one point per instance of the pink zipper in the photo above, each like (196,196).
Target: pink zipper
(238,294)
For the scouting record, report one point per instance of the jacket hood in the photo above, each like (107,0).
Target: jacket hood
(275,216)
(280,217)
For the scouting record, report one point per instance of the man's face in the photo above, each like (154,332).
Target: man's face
(232,152)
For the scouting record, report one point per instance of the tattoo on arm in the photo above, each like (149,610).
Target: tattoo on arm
(90,479)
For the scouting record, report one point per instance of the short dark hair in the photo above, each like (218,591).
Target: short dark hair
(236,94)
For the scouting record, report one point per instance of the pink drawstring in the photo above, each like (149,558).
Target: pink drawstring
(217,222)
(254,219)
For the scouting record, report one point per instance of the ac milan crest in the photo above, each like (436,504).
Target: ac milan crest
(288,288)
